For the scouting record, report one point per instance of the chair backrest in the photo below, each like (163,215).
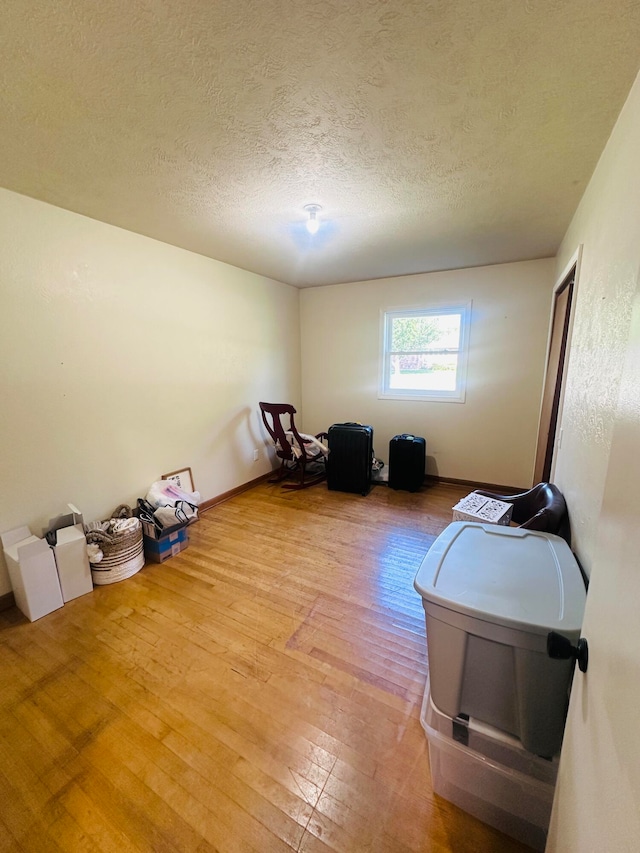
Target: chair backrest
(542,508)
(272,414)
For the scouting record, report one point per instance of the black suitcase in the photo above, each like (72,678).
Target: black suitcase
(407,462)
(350,457)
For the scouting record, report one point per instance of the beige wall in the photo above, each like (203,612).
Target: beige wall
(596,805)
(489,438)
(122,358)
(607,225)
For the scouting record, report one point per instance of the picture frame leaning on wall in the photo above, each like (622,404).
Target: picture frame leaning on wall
(182,478)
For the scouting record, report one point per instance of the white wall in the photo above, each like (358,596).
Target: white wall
(122,358)
(596,804)
(492,436)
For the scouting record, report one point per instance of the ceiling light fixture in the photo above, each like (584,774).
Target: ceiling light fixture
(313,223)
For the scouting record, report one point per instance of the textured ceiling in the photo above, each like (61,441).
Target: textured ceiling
(435,135)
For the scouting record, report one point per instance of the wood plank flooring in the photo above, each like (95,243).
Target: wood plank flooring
(258,692)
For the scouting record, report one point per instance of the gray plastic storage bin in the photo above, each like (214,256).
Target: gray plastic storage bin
(491,594)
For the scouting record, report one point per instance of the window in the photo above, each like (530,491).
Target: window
(424,353)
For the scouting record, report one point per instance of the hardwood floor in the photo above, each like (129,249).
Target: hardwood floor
(258,692)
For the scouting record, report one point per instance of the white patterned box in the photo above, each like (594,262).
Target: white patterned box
(479,508)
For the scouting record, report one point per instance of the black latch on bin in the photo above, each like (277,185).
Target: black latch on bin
(460,731)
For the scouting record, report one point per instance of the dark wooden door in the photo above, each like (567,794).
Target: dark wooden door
(553,379)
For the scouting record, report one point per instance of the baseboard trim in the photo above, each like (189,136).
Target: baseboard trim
(429,480)
(225,496)
(7,600)
(474,484)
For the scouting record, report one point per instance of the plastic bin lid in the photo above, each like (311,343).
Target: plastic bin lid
(505,575)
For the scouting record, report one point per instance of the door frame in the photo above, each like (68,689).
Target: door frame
(574,262)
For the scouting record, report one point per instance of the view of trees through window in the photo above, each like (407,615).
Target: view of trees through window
(423,351)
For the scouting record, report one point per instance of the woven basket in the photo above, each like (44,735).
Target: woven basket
(122,552)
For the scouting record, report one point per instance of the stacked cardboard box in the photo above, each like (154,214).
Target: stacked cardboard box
(158,548)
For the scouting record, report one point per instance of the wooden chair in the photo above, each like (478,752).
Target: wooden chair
(294,450)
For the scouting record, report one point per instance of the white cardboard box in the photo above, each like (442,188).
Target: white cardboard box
(32,571)
(72,562)
(479,508)
(70,552)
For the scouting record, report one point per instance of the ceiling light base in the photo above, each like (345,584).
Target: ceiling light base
(313,223)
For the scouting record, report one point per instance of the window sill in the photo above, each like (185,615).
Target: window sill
(422,398)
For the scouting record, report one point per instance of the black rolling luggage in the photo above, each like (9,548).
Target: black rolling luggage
(407,460)
(350,457)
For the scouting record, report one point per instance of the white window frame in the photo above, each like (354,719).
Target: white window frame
(387,315)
